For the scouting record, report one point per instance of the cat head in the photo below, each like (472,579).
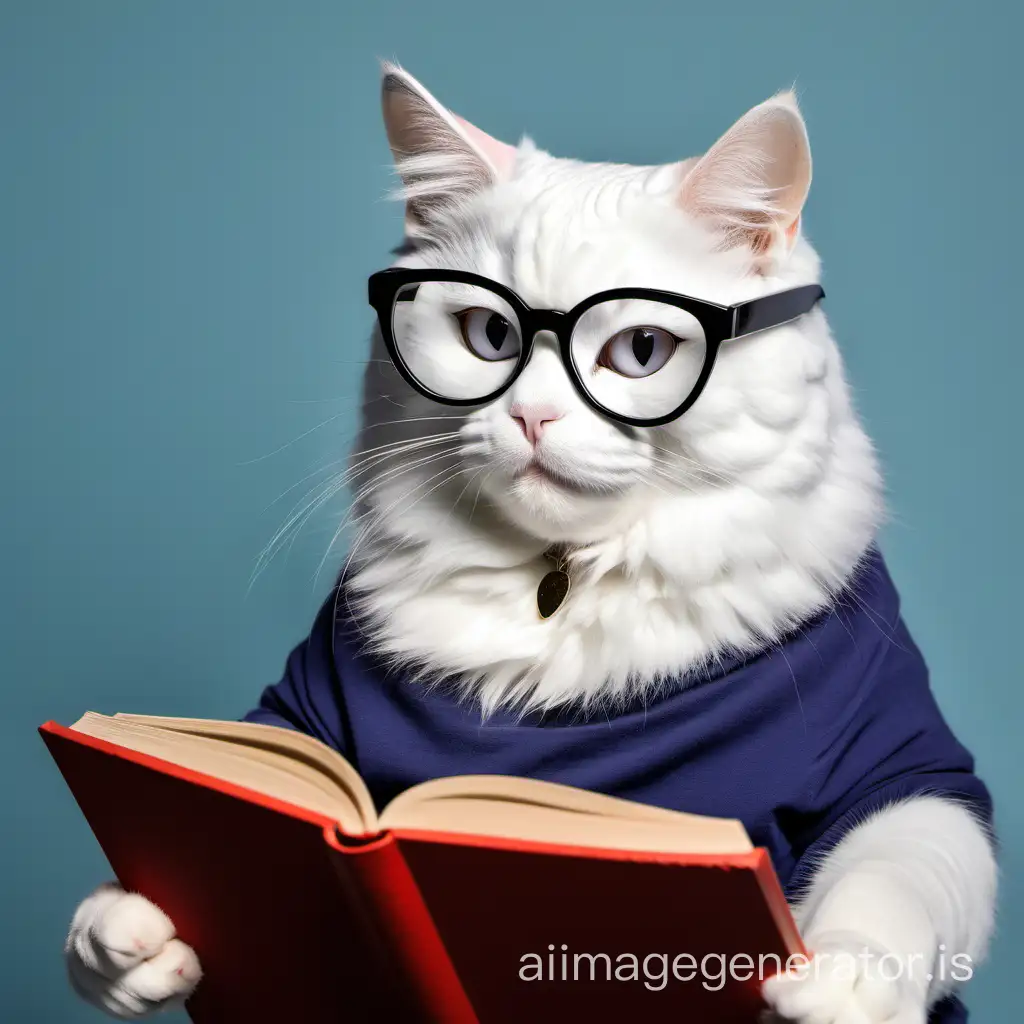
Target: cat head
(724,227)
(768,472)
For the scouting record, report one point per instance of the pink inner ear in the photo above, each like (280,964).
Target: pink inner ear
(500,155)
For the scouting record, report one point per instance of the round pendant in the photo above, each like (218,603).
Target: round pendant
(552,592)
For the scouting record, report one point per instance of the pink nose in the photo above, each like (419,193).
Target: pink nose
(532,419)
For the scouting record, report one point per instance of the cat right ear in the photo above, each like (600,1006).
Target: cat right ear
(441,158)
(752,184)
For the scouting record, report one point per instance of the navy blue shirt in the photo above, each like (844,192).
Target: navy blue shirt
(799,742)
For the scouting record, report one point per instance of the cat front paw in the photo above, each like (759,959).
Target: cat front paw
(122,955)
(849,981)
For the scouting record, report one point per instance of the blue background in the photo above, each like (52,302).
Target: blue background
(191,197)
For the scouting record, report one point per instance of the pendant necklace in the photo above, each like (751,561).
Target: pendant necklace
(554,587)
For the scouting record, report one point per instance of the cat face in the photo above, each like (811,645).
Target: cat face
(555,232)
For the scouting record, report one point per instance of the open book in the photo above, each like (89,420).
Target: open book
(265,847)
(300,770)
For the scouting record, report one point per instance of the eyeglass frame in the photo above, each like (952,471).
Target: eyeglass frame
(719,324)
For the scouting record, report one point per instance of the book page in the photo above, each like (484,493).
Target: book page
(529,809)
(296,746)
(298,769)
(276,762)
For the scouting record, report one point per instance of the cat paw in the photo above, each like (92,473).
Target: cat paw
(122,956)
(848,982)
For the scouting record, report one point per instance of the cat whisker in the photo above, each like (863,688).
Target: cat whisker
(375,484)
(379,516)
(472,477)
(373,462)
(359,362)
(660,490)
(298,483)
(287,533)
(413,419)
(480,487)
(662,473)
(672,472)
(677,456)
(292,526)
(337,398)
(392,450)
(319,426)
(305,433)
(434,488)
(404,467)
(354,504)
(412,440)
(361,465)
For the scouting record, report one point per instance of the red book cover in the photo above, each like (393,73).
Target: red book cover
(290,924)
(591,918)
(293,921)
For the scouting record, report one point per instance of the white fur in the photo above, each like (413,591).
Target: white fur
(915,883)
(716,533)
(123,958)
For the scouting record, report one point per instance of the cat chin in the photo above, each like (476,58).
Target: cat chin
(558,511)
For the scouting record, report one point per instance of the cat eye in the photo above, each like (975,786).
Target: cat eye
(638,351)
(461,339)
(488,334)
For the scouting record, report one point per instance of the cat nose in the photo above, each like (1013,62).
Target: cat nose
(532,419)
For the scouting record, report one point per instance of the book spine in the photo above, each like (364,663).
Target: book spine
(409,940)
(778,907)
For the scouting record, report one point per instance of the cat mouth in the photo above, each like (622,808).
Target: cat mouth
(534,471)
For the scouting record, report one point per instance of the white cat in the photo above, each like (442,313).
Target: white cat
(718,532)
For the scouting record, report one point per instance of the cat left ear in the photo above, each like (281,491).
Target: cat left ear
(440,157)
(752,183)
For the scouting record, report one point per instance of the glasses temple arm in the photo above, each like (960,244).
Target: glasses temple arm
(773,310)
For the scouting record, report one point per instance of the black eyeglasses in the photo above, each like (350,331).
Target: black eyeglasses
(636,355)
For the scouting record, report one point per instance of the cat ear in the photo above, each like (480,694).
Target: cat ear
(753,182)
(441,158)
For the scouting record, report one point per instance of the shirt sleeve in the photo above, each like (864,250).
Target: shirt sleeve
(882,739)
(309,697)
